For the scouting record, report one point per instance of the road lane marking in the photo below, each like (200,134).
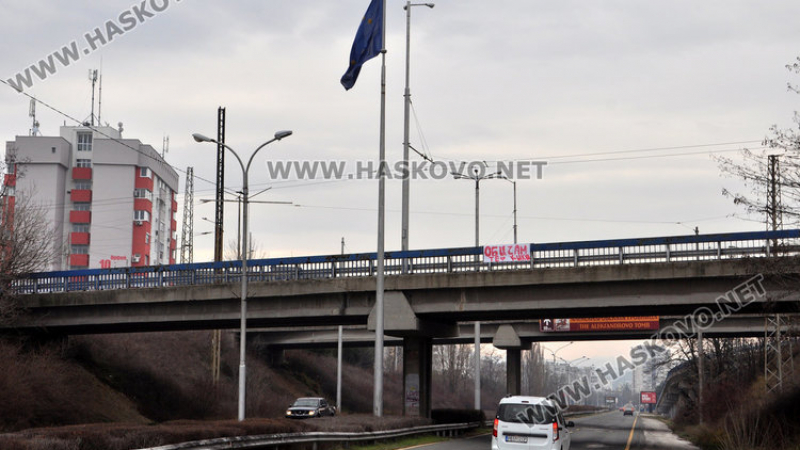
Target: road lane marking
(633,428)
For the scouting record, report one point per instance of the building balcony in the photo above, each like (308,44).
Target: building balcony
(80,217)
(81,173)
(80,195)
(79,238)
(79,260)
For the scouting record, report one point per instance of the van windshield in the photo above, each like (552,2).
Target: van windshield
(526,413)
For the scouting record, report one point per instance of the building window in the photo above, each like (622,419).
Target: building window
(80,249)
(141,215)
(80,227)
(143,193)
(83,185)
(144,172)
(82,206)
(147,238)
(84,141)
(83,163)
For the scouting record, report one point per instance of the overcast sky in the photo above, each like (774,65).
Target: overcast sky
(515,79)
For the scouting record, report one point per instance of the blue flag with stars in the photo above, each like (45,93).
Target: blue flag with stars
(368,43)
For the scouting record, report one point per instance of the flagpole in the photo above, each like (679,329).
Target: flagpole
(378,395)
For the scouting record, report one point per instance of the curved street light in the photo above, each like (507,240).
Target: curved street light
(243,326)
(406,118)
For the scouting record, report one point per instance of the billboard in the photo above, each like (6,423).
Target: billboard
(647,397)
(506,253)
(642,323)
(611,400)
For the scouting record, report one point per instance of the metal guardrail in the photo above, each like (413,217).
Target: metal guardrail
(452,260)
(274,441)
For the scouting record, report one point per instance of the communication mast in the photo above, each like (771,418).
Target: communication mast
(187,232)
(34,131)
(165,149)
(93,79)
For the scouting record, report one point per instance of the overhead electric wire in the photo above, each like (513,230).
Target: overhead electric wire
(57,111)
(565,219)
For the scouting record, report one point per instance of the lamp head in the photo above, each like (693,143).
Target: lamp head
(201,138)
(430,5)
(282,134)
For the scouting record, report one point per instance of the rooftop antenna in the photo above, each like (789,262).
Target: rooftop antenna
(165,147)
(100,95)
(32,113)
(93,79)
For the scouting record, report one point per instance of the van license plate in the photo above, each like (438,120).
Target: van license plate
(518,439)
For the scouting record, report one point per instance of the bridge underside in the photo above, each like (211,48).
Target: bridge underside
(660,289)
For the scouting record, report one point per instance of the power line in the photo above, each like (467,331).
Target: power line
(91,127)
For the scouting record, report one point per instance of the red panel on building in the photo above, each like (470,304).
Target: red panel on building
(81,173)
(142,204)
(141,243)
(79,238)
(80,195)
(143,182)
(80,217)
(79,260)
(10,179)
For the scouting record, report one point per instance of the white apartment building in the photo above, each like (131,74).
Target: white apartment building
(111,201)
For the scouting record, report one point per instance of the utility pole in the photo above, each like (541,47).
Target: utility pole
(219,210)
(187,231)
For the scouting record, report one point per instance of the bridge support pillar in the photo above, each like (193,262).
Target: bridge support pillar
(507,339)
(514,371)
(417,371)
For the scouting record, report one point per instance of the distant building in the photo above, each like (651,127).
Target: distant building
(111,201)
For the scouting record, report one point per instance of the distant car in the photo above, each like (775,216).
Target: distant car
(524,422)
(307,407)
(627,410)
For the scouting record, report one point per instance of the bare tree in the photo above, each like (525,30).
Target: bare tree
(756,170)
(26,244)
(232,252)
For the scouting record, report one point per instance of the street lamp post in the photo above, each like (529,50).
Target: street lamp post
(515,204)
(239,225)
(243,320)
(559,349)
(406,115)
(477,177)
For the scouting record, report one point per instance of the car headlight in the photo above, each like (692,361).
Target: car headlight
(288,413)
(311,413)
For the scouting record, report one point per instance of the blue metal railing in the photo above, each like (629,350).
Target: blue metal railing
(465,259)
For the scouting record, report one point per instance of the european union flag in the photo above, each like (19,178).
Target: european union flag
(368,43)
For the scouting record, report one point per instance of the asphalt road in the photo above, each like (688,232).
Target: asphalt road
(612,430)
(606,431)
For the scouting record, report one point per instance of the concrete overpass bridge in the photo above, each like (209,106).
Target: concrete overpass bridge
(429,293)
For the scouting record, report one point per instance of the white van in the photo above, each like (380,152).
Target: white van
(529,423)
